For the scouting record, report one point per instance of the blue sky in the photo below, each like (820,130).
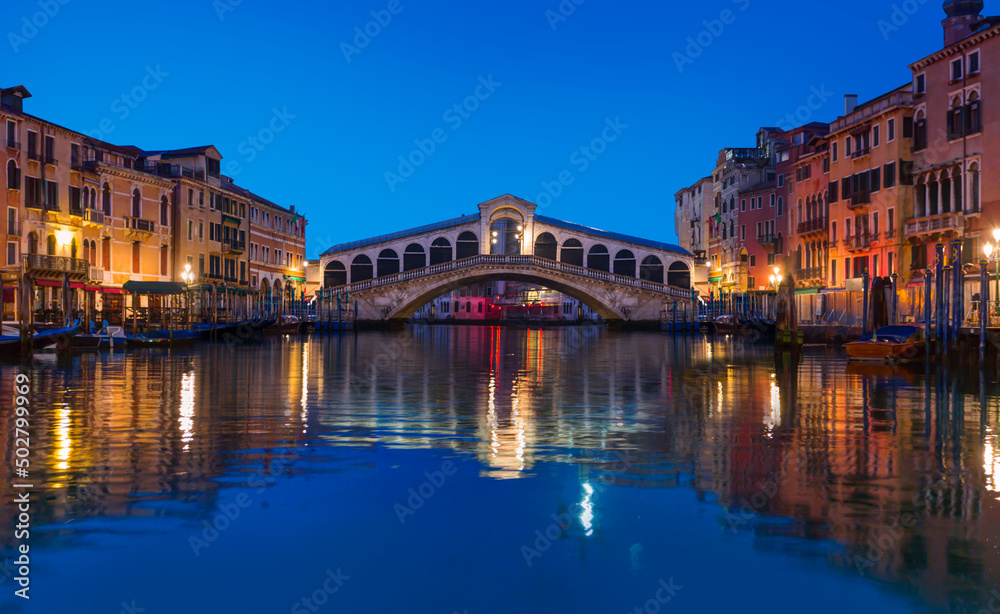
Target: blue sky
(345,107)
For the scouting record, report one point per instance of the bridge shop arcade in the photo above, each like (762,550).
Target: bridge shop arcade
(625,279)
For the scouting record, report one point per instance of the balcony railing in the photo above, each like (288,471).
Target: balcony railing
(214,275)
(859,199)
(234,246)
(813,225)
(815,272)
(34,155)
(94,216)
(50,160)
(135,223)
(56,264)
(164,169)
(766,239)
(746,153)
(932,224)
(861,153)
(13,144)
(32,203)
(858,241)
(97,274)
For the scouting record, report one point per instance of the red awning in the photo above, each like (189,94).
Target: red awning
(76,284)
(92,288)
(111,290)
(48,282)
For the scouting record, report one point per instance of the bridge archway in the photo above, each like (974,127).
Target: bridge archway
(361,268)
(387,263)
(440,251)
(651,269)
(546,246)
(505,236)
(467,245)
(334,275)
(679,275)
(625,263)
(585,295)
(572,252)
(414,257)
(599,259)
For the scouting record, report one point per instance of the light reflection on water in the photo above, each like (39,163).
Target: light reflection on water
(875,481)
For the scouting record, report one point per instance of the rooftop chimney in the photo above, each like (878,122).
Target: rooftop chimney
(850,103)
(962,15)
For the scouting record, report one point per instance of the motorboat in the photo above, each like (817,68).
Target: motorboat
(897,343)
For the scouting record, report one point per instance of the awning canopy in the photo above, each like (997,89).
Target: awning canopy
(155,287)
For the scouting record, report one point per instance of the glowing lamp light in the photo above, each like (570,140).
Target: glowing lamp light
(520,228)
(988,249)
(777,271)
(777,278)
(495,233)
(64,237)
(494,241)
(996,234)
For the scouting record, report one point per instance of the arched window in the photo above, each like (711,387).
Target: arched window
(505,237)
(106,199)
(93,198)
(679,276)
(50,245)
(136,204)
(598,258)
(361,268)
(440,251)
(93,253)
(467,246)
(388,262)
(625,263)
(414,257)
(164,260)
(335,274)
(106,253)
(545,246)
(13,176)
(480,306)
(572,252)
(164,213)
(974,186)
(468,306)
(651,269)
(86,250)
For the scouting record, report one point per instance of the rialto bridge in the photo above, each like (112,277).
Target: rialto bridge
(622,278)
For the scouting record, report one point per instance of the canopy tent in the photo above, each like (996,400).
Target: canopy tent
(155,287)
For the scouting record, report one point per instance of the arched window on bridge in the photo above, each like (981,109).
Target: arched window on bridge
(414,257)
(334,275)
(440,251)
(572,252)
(361,268)
(651,270)
(625,263)
(468,245)
(599,259)
(545,246)
(505,237)
(388,262)
(679,275)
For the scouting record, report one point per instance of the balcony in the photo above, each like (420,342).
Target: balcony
(859,200)
(34,155)
(233,246)
(934,224)
(140,225)
(216,275)
(99,275)
(861,153)
(811,273)
(890,234)
(815,225)
(230,279)
(51,161)
(164,169)
(56,265)
(746,153)
(13,145)
(93,217)
(766,239)
(858,242)
(32,203)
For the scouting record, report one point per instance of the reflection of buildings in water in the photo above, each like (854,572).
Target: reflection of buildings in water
(114,431)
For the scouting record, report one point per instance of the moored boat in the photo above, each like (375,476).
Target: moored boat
(889,344)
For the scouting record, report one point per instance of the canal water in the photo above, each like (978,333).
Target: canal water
(483,470)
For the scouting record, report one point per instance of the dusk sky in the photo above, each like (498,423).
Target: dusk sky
(347,106)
